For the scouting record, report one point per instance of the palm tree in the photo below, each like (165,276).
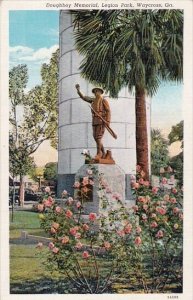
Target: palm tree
(138,49)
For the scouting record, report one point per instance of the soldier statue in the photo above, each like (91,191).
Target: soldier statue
(101,117)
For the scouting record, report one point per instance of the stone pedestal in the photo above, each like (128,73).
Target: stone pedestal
(113,178)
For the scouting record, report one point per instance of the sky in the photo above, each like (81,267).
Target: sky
(34,36)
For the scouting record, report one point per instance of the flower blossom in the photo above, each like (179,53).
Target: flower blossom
(138,168)
(92,217)
(121,233)
(64,193)
(48,202)
(69,214)
(47,189)
(78,204)
(161,210)
(138,241)
(65,239)
(181,216)
(40,207)
(174,191)
(159,234)
(85,151)
(78,235)
(176,210)
(166,197)
(142,199)
(55,225)
(55,250)
(141,181)
(85,181)
(173,200)
(78,245)
(73,231)
(146,183)
(154,224)
(58,209)
(107,245)
(135,208)
(145,207)
(76,184)
(138,229)
(51,245)
(116,196)
(85,227)
(128,228)
(135,185)
(39,245)
(89,172)
(176,226)
(154,190)
(91,182)
(70,200)
(85,254)
(164,180)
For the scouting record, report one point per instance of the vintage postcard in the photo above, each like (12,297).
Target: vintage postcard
(96,149)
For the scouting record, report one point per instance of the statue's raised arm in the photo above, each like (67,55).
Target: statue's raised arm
(82,96)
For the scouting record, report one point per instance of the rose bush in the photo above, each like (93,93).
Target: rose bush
(143,242)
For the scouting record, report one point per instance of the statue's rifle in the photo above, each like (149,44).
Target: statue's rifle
(110,130)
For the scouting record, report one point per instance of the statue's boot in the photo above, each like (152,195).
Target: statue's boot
(108,155)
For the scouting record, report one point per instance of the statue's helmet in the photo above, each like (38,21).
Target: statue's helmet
(97,88)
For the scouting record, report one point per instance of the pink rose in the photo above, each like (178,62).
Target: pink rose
(85,254)
(142,199)
(49,202)
(55,250)
(142,173)
(121,233)
(135,185)
(144,217)
(78,204)
(70,200)
(135,208)
(69,214)
(146,183)
(141,181)
(174,191)
(132,177)
(173,200)
(176,210)
(91,182)
(64,193)
(154,190)
(138,241)
(145,207)
(164,180)
(73,231)
(65,240)
(78,235)
(107,245)
(39,245)
(89,172)
(108,190)
(153,215)
(160,234)
(85,227)
(53,230)
(76,185)
(128,228)
(78,245)
(161,210)
(55,225)
(47,189)
(138,229)
(117,196)
(51,245)
(40,207)
(138,168)
(92,217)
(58,209)
(154,224)
(85,181)
(166,197)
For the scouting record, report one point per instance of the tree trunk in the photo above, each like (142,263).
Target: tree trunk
(21,191)
(141,131)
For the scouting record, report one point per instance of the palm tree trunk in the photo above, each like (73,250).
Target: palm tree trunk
(141,131)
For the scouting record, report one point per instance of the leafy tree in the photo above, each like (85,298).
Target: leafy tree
(177,161)
(39,121)
(159,152)
(50,171)
(136,48)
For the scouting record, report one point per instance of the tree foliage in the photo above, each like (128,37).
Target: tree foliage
(176,133)
(50,171)
(129,48)
(159,152)
(39,120)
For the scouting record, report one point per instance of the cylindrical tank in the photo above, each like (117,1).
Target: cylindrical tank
(75,128)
